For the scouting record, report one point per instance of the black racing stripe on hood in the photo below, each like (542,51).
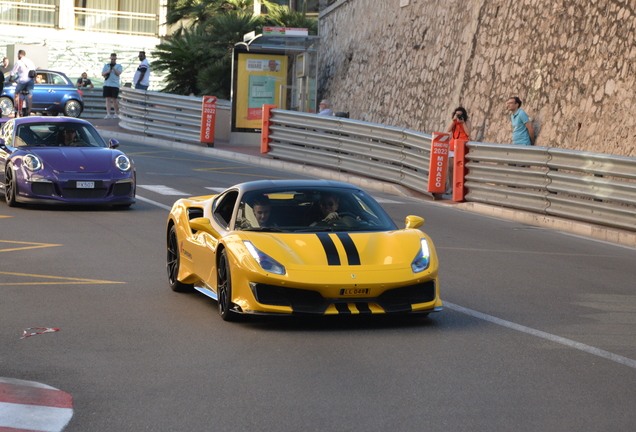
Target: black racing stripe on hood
(330,249)
(353,258)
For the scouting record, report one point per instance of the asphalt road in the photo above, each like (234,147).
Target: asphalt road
(538,332)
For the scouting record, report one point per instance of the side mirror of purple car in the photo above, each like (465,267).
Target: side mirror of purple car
(2,142)
(113,143)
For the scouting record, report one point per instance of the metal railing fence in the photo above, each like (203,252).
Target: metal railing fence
(170,116)
(590,187)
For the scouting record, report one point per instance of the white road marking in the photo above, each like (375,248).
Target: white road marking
(34,417)
(155,203)
(216,189)
(163,190)
(387,201)
(548,336)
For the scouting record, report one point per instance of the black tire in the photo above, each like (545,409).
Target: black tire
(173,263)
(224,288)
(6,105)
(10,187)
(72,109)
(121,206)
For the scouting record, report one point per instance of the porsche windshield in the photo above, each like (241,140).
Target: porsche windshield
(311,210)
(57,135)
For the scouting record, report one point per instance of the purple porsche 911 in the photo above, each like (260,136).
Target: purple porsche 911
(62,160)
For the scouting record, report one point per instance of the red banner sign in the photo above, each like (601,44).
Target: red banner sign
(439,163)
(208,117)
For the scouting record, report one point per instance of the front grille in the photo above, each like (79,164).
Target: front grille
(43,189)
(306,301)
(84,193)
(122,189)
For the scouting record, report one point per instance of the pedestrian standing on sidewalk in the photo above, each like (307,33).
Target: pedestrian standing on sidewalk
(522,130)
(142,75)
(111,73)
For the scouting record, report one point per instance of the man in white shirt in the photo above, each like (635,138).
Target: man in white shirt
(22,67)
(142,75)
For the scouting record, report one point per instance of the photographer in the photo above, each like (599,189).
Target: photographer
(111,72)
(84,81)
(459,128)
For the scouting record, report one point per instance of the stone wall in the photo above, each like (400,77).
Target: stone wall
(409,63)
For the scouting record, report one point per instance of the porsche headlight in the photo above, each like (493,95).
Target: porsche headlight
(123,163)
(32,162)
(422,259)
(266,262)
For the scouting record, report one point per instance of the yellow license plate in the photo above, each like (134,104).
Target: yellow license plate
(354,291)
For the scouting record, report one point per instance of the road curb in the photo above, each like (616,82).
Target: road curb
(32,406)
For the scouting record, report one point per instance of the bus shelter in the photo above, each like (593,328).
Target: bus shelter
(278,67)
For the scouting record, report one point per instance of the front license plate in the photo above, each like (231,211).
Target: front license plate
(85,185)
(354,291)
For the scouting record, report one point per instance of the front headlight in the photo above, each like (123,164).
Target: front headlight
(32,162)
(422,259)
(266,262)
(123,163)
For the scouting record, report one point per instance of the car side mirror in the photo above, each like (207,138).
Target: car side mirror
(113,143)
(413,222)
(201,224)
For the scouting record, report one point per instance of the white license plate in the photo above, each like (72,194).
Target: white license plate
(85,185)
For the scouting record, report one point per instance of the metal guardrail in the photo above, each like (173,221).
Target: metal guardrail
(372,150)
(590,187)
(167,115)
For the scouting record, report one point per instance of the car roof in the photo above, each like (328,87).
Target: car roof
(53,120)
(272,184)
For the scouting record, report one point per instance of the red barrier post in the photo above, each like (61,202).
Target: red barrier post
(265,132)
(438,163)
(459,171)
(208,118)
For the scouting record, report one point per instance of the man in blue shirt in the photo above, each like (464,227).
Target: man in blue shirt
(522,130)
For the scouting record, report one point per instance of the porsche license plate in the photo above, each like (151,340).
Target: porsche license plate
(85,185)
(354,291)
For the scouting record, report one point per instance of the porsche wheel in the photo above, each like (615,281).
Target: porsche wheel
(10,187)
(173,262)
(224,288)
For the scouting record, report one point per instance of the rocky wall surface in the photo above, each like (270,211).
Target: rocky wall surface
(409,63)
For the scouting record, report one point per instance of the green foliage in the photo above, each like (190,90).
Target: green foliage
(199,59)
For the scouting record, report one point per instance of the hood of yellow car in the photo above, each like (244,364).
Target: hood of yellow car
(392,249)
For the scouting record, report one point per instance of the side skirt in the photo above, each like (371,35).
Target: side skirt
(207,291)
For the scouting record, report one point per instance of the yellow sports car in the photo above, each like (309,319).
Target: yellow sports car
(300,247)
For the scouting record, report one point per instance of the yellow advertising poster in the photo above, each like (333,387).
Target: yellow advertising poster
(259,79)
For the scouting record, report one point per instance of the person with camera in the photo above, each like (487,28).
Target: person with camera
(23,72)
(111,73)
(84,81)
(459,128)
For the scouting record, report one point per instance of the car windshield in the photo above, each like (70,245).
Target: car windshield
(311,210)
(63,134)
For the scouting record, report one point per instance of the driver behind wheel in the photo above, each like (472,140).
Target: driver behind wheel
(69,136)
